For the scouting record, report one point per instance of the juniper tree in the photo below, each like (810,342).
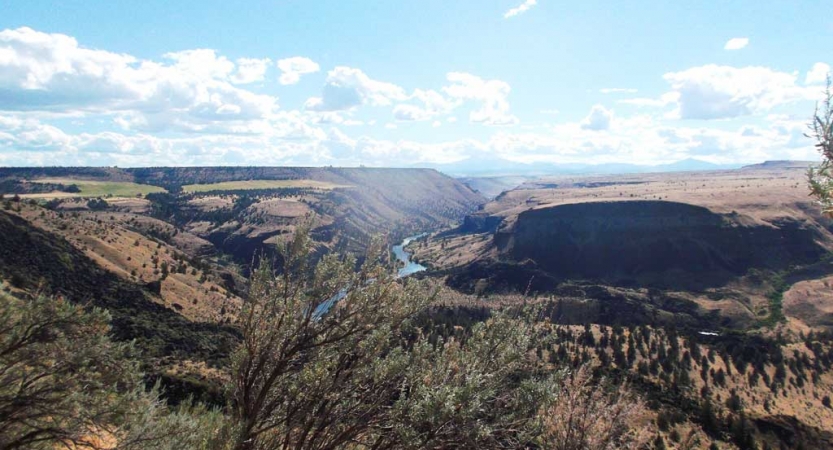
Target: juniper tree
(64,383)
(331,358)
(821,130)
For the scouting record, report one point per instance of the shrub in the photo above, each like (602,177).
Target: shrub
(64,383)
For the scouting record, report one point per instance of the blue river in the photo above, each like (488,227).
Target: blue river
(404,257)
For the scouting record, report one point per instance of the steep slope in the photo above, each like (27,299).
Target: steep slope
(491,187)
(376,197)
(656,242)
(36,260)
(244,211)
(373,197)
(743,245)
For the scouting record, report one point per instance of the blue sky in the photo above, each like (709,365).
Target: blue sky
(388,83)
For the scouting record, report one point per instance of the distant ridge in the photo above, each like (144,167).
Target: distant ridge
(493,166)
(780,164)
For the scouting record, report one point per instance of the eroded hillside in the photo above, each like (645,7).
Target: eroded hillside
(167,251)
(745,248)
(657,243)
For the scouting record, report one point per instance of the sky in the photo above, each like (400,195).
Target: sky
(409,83)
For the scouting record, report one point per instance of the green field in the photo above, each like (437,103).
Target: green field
(97,188)
(251,185)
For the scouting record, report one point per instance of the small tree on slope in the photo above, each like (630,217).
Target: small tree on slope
(312,373)
(65,384)
(821,130)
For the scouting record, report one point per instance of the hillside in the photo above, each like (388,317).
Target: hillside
(241,210)
(732,241)
(657,243)
(167,251)
(705,290)
(35,260)
(722,223)
(730,271)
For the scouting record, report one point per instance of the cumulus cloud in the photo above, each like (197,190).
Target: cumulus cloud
(293,68)
(598,119)
(716,92)
(32,136)
(736,43)
(53,73)
(347,88)
(192,107)
(410,113)
(490,94)
(201,63)
(250,70)
(432,104)
(520,9)
(636,139)
(818,74)
(39,70)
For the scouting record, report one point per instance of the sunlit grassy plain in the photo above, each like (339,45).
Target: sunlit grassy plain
(90,188)
(260,184)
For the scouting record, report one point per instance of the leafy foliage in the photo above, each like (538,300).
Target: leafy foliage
(821,129)
(587,417)
(332,358)
(63,381)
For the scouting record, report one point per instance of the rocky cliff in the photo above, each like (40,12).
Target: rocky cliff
(656,242)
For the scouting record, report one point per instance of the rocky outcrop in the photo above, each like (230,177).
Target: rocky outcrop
(480,223)
(655,243)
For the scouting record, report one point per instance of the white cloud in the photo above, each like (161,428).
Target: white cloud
(636,139)
(52,73)
(520,9)
(191,108)
(410,113)
(250,70)
(436,124)
(818,74)
(31,135)
(715,92)
(647,140)
(293,68)
(736,43)
(347,88)
(598,119)
(202,63)
(491,94)
(39,70)
(433,104)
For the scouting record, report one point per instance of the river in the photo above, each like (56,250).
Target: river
(404,257)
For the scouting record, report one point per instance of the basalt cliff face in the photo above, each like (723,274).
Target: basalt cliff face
(656,242)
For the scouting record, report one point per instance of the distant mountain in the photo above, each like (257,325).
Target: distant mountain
(491,187)
(690,165)
(485,166)
(493,166)
(778,165)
